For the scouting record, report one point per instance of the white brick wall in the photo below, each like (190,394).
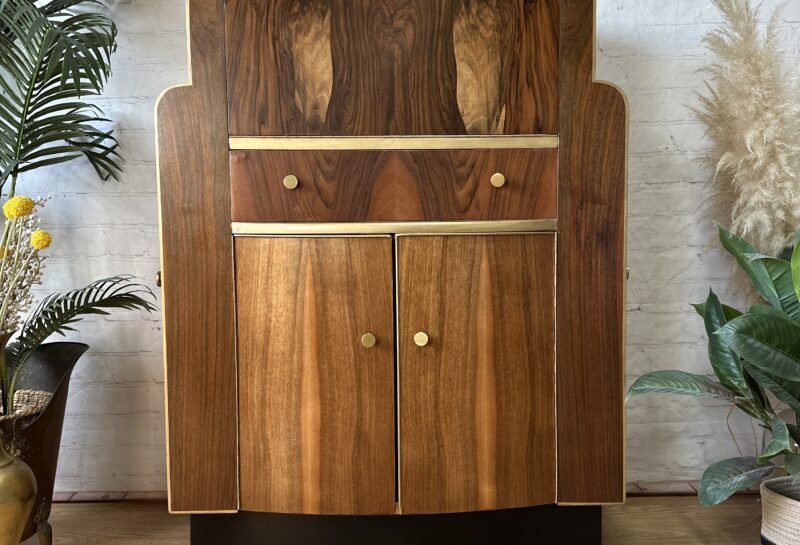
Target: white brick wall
(114,432)
(652,49)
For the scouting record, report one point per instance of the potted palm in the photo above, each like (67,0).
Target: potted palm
(755,359)
(33,376)
(55,55)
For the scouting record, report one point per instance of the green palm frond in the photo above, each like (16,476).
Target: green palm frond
(51,59)
(57,312)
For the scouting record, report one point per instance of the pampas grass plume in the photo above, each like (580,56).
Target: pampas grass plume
(751,111)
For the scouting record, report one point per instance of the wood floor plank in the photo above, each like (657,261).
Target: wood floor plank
(681,521)
(126,523)
(652,520)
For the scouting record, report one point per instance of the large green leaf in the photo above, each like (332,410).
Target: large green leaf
(780,274)
(780,443)
(757,271)
(770,343)
(722,479)
(724,361)
(785,390)
(51,59)
(796,268)
(760,308)
(729,312)
(679,383)
(792,464)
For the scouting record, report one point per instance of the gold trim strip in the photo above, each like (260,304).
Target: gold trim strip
(396,227)
(284,143)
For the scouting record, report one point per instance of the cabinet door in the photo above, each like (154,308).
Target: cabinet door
(316,401)
(477,402)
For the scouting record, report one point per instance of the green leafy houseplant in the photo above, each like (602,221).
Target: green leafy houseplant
(55,55)
(52,58)
(752,354)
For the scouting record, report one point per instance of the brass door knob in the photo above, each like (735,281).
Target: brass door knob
(291,182)
(498,180)
(368,340)
(421,339)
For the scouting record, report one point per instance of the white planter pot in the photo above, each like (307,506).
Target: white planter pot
(780,500)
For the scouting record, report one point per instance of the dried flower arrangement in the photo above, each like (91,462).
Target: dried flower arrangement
(20,269)
(752,113)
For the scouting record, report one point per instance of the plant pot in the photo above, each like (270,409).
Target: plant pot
(38,439)
(780,499)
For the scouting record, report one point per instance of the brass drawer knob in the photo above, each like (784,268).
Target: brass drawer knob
(291,182)
(421,339)
(368,340)
(498,180)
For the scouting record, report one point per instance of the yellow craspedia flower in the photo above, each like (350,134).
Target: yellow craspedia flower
(41,239)
(17,207)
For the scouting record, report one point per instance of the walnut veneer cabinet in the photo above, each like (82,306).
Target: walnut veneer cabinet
(393,247)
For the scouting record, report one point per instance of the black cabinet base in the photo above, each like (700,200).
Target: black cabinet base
(548,525)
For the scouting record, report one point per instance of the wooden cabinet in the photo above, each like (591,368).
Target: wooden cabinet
(316,407)
(477,402)
(469,140)
(317,365)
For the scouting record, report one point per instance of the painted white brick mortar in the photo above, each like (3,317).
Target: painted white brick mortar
(114,431)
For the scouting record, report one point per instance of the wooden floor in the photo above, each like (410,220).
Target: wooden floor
(651,521)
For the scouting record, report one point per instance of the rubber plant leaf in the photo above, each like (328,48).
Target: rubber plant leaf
(730,312)
(724,361)
(792,464)
(780,274)
(679,383)
(722,479)
(796,268)
(755,269)
(780,443)
(785,390)
(770,343)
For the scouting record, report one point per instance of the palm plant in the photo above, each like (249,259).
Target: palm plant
(56,314)
(755,357)
(53,56)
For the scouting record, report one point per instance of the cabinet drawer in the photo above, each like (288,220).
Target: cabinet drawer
(429,185)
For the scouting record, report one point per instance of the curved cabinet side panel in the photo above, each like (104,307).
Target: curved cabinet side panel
(197,268)
(591,271)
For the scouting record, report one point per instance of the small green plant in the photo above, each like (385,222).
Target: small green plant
(53,58)
(752,354)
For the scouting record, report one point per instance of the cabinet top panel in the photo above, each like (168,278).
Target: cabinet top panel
(392,67)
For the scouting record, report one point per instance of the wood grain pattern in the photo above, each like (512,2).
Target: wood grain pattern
(392,67)
(591,271)
(446,185)
(197,267)
(477,404)
(316,407)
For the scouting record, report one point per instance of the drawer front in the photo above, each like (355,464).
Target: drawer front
(435,185)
